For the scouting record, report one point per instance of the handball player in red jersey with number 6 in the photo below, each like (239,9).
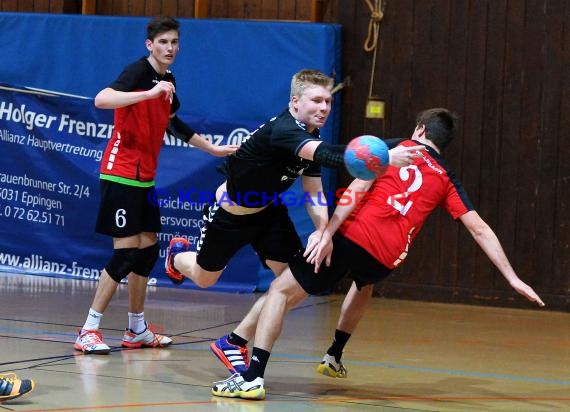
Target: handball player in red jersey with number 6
(145,102)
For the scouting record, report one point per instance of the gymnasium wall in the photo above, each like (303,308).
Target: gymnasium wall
(285,10)
(231,77)
(502,66)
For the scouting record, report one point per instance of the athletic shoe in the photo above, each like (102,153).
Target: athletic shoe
(12,387)
(234,357)
(236,387)
(177,245)
(145,339)
(330,367)
(91,342)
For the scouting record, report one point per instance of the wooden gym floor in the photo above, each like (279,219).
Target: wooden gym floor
(406,356)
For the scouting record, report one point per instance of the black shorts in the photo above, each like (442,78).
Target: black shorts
(348,259)
(126,210)
(270,232)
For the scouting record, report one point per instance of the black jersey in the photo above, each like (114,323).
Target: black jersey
(267,163)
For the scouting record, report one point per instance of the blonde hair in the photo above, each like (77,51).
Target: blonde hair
(307,78)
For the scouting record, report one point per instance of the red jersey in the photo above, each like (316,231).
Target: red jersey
(398,203)
(132,151)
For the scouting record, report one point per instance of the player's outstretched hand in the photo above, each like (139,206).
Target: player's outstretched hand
(527,291)
(312,244)
(402,156)
(224,150)
(320,251)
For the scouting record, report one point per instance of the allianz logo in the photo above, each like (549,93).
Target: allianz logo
(237,137)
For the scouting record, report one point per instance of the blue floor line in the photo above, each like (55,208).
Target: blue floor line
(364,363)
(433,370)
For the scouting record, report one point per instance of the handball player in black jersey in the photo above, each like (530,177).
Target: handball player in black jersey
(371,236)
(248,209)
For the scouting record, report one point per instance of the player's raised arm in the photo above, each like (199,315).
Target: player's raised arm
(332,155)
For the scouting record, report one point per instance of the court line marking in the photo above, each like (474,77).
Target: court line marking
(262,404)
(381,364)
(433,370)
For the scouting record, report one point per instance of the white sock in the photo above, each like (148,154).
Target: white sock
(136,322)
(93,320)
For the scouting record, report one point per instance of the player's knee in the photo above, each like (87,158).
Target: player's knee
(205,280)
(121,263)
(294,298)
(275,291)
(146,260)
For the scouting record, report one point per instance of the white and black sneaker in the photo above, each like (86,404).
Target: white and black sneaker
(237,387)
(330,367)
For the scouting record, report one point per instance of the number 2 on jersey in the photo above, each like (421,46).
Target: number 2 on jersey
(394,200)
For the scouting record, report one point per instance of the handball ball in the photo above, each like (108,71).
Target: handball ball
(366,157)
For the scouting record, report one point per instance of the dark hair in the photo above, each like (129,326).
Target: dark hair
(160,25)
(440,125)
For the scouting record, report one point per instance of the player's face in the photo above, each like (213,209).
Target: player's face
(313,106)
(419,133)
(164,48)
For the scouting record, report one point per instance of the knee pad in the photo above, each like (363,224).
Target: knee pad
(121,263)
(147,257)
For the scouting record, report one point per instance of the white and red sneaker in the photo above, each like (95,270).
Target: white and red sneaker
(91,342)
(145,339)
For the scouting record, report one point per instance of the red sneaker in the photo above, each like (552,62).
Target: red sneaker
(177,245)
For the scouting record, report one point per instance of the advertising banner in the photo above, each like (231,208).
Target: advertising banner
(231,76)
(49,190)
